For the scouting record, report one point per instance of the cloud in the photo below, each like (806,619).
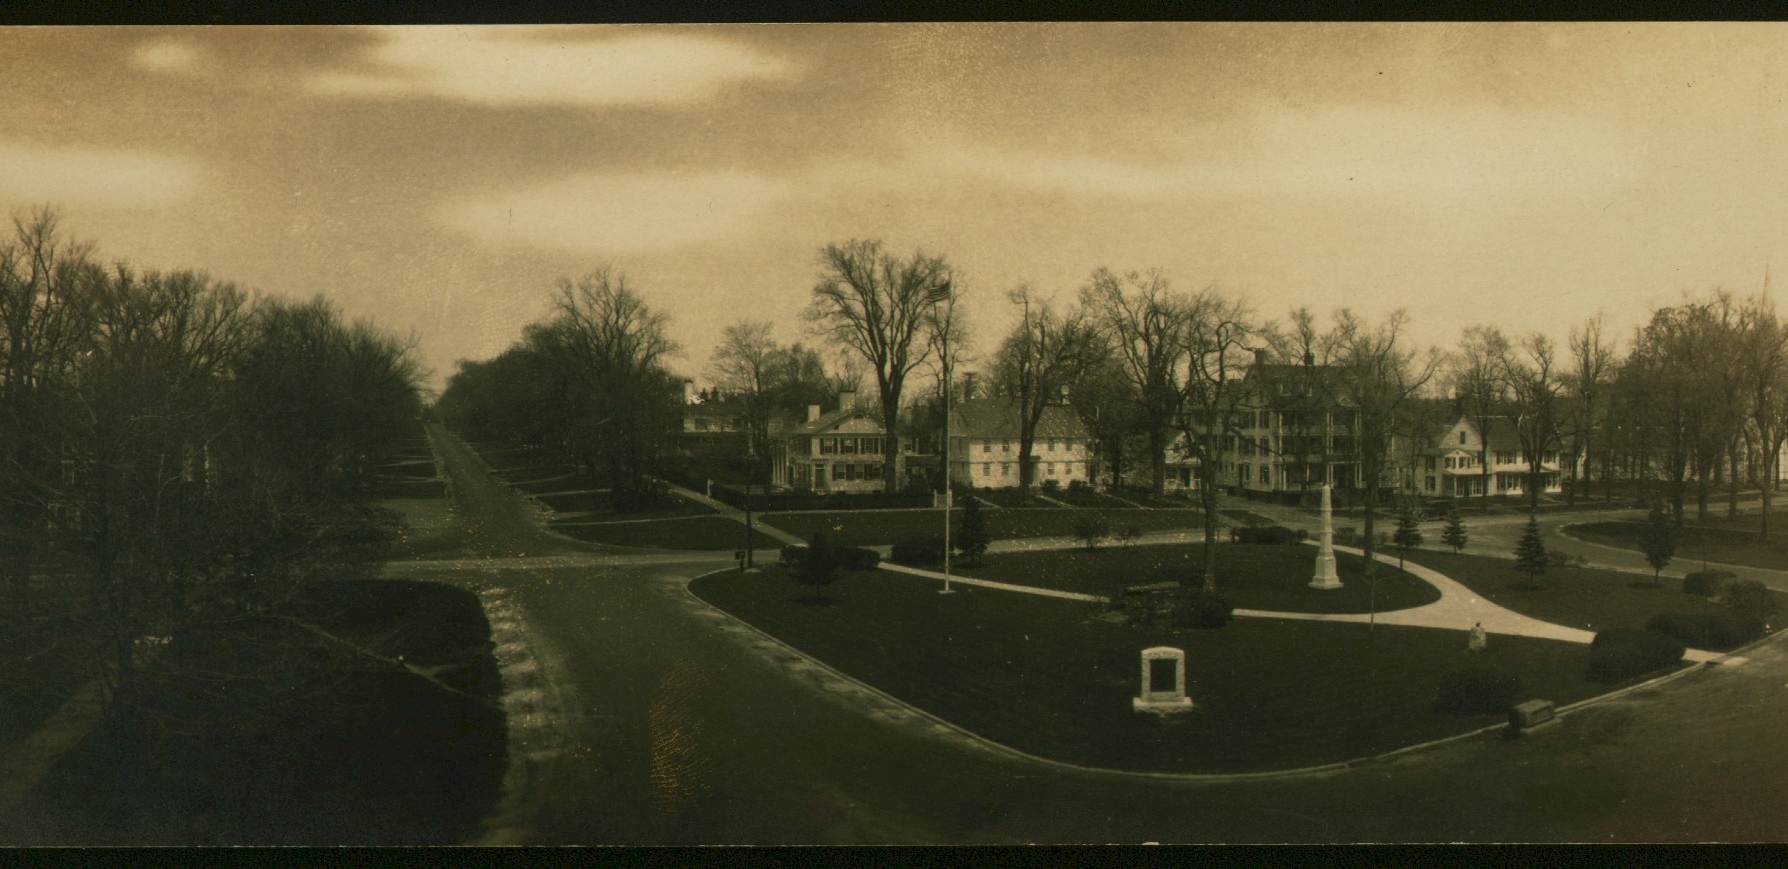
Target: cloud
(551,66)
(641,212)
(166,56)
(36,173)
(1337,152)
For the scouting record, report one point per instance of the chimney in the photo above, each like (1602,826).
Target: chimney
(812,412)
(1260,357)
(847,399)
(688,392)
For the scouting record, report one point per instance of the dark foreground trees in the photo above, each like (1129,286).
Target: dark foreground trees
(179,463)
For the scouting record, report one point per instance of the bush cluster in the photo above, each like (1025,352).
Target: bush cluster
(1348,536)
(1618,654)
(858,558)
(1706,583)
(792,554)
(1269,534)
(1749,597)
(1477,690)
(1716,631)
(1202,609)
(917,553)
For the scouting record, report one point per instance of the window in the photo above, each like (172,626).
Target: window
(1049,469)
(1266,474)
(1462,437)
(1430,482)
(986,469)
(1430,463)
(828,445)
(1242,472)
(1450,462)
(1005,469)
(1069,446)
(847,445)
(987,446)
(838,472)
(1005,445)
(1052,445)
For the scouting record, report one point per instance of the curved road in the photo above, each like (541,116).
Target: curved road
(642,717)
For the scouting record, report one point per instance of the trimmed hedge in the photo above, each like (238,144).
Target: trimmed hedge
(858,558)
(1706,583)
(917,553)
(1619,654)
(1269,534)
(1477,690)
(1716,631)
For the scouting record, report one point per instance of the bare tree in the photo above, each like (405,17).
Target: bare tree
(877,305)
(1145,322)
(1477,373)
(1218,330)
(947,339)
(746,365)
(1593,360)
(1532,374)
(1762,353)
(1378,378)
(1043,355)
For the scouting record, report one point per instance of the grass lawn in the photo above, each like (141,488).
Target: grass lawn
(409,488)
(882,527)
(689,532)
(1044,676)
(603,503)
(1727,541)
(1252,576)
(1579,597)
(385,758)
(1085,497)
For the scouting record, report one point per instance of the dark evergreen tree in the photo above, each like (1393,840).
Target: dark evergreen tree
(818,565)
(971,529)
(1658,538)
(1454,534)
(1530,552)
(1409,533)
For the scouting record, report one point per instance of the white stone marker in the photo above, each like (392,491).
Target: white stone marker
(1163,681)
(1325,555)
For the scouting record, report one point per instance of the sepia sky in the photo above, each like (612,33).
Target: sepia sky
(439,180)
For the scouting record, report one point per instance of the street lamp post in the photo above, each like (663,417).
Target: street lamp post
(750,535)
(949,490)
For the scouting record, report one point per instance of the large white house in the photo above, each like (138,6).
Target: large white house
(984,435)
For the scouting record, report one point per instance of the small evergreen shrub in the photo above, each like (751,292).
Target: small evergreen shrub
(1202,609)
(858,558)
(1619,654)
(1715,631)
(1477,690)
(917,553)
(1749,597)
(1706,583)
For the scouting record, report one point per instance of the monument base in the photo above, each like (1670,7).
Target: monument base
(1161,707)
(1325,573)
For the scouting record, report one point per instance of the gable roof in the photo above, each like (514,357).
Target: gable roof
(998,418)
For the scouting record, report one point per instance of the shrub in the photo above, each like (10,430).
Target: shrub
(792,554)
(917,553)
(858,558)
(1618,654)
(1477,690)
(1348,536)
(1715,631)
(1749,597)
(1706,583)
(1202,609)
(1052,485)
(1091,529)
(1565,559)
(1078,486)
(1270,534)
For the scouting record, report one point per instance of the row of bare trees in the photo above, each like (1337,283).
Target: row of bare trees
(176,455)
(1699,401)
(590,382)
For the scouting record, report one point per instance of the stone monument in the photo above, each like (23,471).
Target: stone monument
(1478,641)
(1325,556)
(1163,681)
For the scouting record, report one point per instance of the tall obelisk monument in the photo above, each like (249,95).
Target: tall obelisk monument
(1325,556)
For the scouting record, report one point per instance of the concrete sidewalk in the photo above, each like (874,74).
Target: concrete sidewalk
(734,513)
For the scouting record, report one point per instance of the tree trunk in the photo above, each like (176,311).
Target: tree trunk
(1157,460)
(1732,482)
(1207,499)
(890,444)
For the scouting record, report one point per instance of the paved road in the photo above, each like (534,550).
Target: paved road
(643,717)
